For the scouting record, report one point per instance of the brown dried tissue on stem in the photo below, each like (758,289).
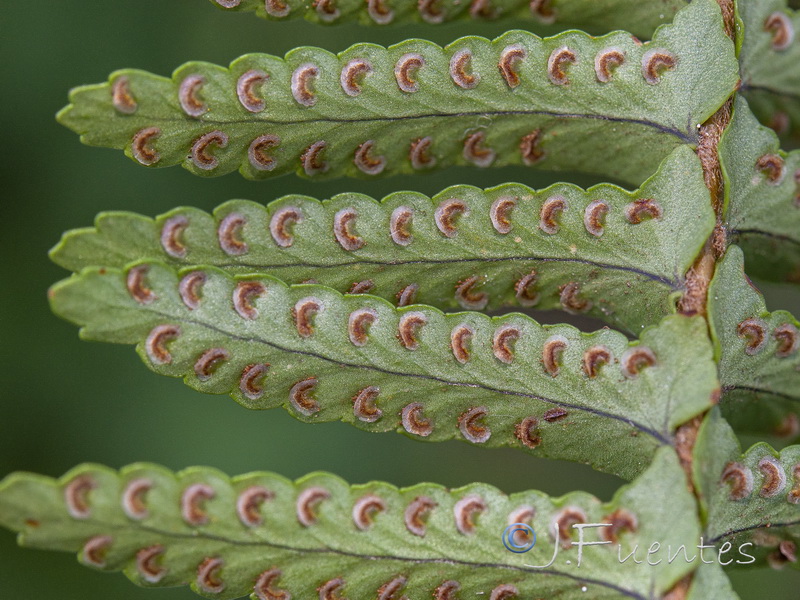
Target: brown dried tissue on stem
(700,274)
(698,278)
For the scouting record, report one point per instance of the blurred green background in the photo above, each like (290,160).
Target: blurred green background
(64,401)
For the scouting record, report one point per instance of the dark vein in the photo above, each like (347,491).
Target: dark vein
(757,390)
(752,527)
(407,559)
(684,137)
(778,236)
(674,284)
(662,438)
(769,90)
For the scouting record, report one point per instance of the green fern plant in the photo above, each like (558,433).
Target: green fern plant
(370,312)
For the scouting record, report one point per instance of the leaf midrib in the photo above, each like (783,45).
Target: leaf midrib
(770,90)
(758,390)
(662,438)
(328,550)
(769,234)
(683,137)
(769,525)
(673,284)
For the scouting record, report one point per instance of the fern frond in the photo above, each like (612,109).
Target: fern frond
(504,381)
(609,105)
(758,353)
(587,251)
(262,535)
(763,201)
(640,17)
(709,582)
(770,59)
(751,498)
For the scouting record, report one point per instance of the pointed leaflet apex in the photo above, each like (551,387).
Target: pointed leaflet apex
(363,113)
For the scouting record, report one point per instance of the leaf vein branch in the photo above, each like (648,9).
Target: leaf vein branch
(674,284)
(745,87)
(687,137)
(752,527)
(328,550)
(778,236)
(758,390)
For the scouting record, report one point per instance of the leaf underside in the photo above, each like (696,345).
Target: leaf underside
(249,303)
(762,211)
(503,381)
(165,530)
(709,582)
(496,250)
(348,115)
(640,17)
(748,498)
(768,59)
(759,361)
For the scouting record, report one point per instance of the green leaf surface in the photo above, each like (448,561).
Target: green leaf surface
(770,62)
(628,273)
(640,17)
(779,113)
(759,361)
(516,100)
(763,198)
(751,498)
(319,531)
(711,583)
(503,381)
